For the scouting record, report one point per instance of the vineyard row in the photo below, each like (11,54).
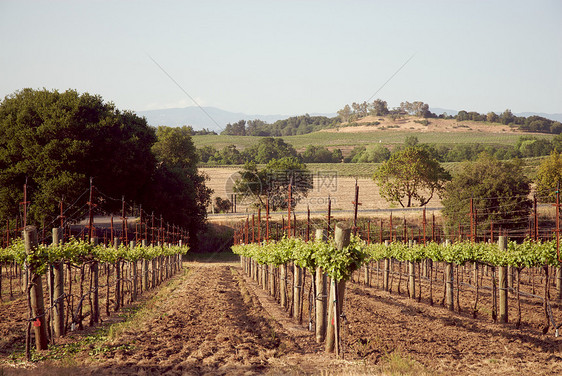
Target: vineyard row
(501,265)
(80,278)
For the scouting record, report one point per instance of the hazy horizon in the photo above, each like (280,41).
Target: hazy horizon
(288,57)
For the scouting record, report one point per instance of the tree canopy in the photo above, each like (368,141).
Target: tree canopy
(499,191)
(549,178)
(57,141)
(411,174)
(272,182)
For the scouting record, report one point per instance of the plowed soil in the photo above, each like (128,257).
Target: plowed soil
(214,320)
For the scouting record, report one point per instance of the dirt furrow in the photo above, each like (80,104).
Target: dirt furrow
(207,324)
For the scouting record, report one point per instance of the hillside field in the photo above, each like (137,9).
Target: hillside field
(389,133)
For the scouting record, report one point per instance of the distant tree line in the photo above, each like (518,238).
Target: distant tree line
(537,124)
(296,125)
(269,148)
(349,114)
(357,111)
(378,107)
(266,150)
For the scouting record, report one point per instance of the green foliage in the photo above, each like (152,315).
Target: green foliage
(500,191)
(372,154)
(227,156)
(272,182)
(338,264)
(205,153)
(416,108)
(175,148)
(533,147)
(57,141)
(295,125)
(411,174)
(355,154)
(360,110)
(268,149)
(236,129)
(78,252)
(319,154)
(222,205)
(177,190)
(549,178)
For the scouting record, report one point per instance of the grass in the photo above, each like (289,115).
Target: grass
(387,137)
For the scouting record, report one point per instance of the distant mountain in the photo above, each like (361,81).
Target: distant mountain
(439,111)
(556,117)
(195,117)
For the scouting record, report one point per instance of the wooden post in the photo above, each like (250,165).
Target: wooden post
(283,285)
(117,278)
(449,286)
(337,294)
(145,274)
(297,282)
(502,244)
(133,244)
(58,290)
(411,275)
(35,292)
(559,283)
(386,271)
(95,318)
(271,278)
(321,298)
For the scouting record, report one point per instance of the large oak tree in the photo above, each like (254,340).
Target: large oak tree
(57,141)
(411,175)
(499,191)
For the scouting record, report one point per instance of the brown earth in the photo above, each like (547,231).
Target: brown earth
(408,123)
(213,320)
(341,192)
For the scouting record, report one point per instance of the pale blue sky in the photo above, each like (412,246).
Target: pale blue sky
(288,57)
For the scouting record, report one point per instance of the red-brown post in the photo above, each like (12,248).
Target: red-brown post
(247,230)
(471,221)
(356,205)
(405,231)
(289,202)
(253,229)
(536,237)
(35,291)
(307,222)
(329,214)
(267,220)
(151,228)
(390,227)
(424,223)
(259,224)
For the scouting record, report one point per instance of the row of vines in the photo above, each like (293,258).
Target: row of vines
(502,265)
(84,281)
